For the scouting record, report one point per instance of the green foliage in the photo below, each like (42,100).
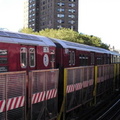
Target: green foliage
(64,34)
(69,35)
(91,40)
(104,46)
(27,30)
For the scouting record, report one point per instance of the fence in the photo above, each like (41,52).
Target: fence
(35,96)
(44,88)
(79,86)
(13,96)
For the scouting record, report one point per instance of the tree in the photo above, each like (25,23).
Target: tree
(104,46)
(69,35)
(27,30)
(63,33)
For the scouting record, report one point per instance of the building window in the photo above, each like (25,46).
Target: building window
(43,7)
(71,16)
(72,5)
(33,24)
(60,4)
(33,14)
(43,2)
(33,5)
(60,10)
(33,19)
(71,10)
(60,15)
(72,27)
(59,26)
(30,16)
(30,6)
(60,21)
(71,21)
(33,9)
(72,0)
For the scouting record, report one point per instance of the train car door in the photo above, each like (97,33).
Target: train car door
(28,58)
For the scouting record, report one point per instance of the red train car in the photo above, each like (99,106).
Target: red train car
(80,81)
(70,54)
(25,52)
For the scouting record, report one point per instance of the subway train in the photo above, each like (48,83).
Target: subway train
(77,74)
(38,52)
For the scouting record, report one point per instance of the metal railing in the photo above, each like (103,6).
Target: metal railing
(43,94)
(12,95)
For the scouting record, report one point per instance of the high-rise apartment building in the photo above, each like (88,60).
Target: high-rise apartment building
(53,14)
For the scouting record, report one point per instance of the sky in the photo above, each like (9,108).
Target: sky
(11,14)
(100,18)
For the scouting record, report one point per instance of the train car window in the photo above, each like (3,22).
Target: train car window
(111,58)
(71,58)
(3,52)
(3,57)
(108,59)
(86,60)
(3,60)
(105,59)
(99,60)
(80,57)
(32,57)
(92,58)
(114,59)
(83,60)
(52,57)
(117,59)
(23,57)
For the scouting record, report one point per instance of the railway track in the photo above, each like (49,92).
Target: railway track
(107,110)
(113,113)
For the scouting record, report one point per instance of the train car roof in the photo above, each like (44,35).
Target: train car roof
(115,53)
(27,39)
(83,47)
(77,46)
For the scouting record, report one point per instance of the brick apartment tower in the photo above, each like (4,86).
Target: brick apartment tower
(53,14)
